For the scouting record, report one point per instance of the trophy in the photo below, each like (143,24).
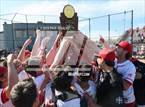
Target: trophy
(69,19)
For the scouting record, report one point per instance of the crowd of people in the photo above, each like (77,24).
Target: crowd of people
(112,79)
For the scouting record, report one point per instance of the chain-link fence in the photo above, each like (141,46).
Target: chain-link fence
(109,26)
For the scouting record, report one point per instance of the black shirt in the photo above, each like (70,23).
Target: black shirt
(139,84)
(110,89)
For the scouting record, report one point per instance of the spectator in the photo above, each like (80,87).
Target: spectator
(127,69)
(109,83)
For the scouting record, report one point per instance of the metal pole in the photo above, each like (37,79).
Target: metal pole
(27,25)
(124,20)
(13,38)
(109,28)
(132,27)
(89,28)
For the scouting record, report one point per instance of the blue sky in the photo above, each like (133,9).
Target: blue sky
(84,8)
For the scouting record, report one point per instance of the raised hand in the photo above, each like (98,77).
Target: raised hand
(27,42)
(10,58)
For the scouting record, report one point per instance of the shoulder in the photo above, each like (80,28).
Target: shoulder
(131,66)
(3,96)
(126,66)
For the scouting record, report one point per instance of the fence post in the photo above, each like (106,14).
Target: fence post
(89,28)
(132,27)
(13,31)
(109,28)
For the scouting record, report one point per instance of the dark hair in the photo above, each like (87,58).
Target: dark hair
(5,63)
(85,72)
(109,63)
(63,81)
(24,93)
(128,55)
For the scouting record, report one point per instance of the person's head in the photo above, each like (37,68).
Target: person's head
(123,50)
(33,66)
(3,76)
(63,81)
(85,72)
(24,94)
(105,58)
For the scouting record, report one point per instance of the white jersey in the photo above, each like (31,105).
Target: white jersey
(127,70)
(37,80)
(91,90)
(2,103)
(23,75)
(48,96)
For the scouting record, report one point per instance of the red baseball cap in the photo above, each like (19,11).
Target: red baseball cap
(3,70)
(107,54)
(126,46)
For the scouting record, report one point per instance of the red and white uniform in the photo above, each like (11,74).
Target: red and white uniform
(4,100)
(127,70)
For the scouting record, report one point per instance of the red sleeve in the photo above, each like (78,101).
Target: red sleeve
(127,84)
(4,97)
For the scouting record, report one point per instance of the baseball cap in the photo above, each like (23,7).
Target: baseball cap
(3,70)
(107,54)
(126,46)
(35,61)
(33,65)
